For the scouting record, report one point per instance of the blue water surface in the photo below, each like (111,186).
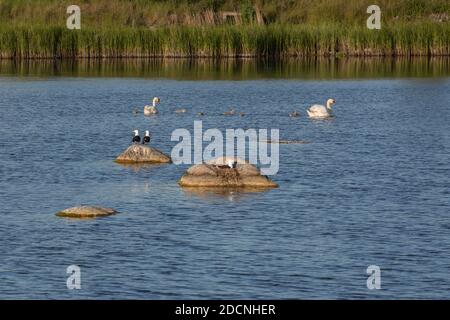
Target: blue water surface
(371,188)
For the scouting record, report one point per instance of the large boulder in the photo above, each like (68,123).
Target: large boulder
(86,212)
(216,174)
(139,153)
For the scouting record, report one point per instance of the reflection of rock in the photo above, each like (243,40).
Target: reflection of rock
(138,153)
(86,212)
(216,174)
(230,193)
(136,166)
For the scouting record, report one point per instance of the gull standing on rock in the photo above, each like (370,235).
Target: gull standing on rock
(146,137)
(136,138)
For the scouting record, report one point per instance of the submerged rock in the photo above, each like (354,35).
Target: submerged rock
(86,212)
(288,141)
(139,153)
(216,174)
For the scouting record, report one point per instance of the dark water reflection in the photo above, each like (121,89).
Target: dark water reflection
(136,167)
(231,194)
(243,69)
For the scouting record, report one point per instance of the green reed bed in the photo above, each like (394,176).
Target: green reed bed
(225,41)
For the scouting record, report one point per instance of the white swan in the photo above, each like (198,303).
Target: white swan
(149,110)
(318,111)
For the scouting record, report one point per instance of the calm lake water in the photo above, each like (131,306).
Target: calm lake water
(371,187)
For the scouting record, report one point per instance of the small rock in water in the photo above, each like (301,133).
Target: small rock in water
(139,153)
(86,212)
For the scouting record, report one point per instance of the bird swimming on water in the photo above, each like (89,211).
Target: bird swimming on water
(136,138)
(149,110)
(146,137)
(318,111)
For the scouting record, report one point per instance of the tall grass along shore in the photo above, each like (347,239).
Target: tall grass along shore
(264,29)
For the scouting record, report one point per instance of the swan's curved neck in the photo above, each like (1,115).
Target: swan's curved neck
(329,104)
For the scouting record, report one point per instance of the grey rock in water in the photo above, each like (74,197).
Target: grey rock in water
(216,173)
(139,153)
(86,212)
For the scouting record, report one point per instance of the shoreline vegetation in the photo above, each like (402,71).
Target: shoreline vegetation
(202,29)
(225,42)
